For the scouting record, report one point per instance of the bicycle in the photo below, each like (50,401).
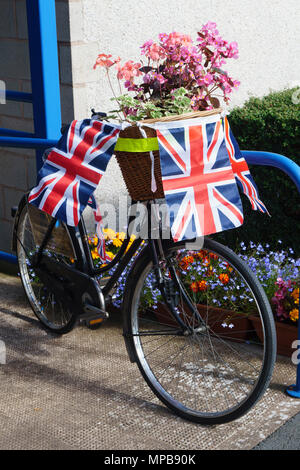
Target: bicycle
(205,369)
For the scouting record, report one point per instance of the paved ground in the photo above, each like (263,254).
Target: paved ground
(80,391)
(287,437)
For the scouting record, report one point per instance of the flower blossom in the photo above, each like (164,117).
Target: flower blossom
(224,278)
(294,314)
(104,60)
(153,51)
(129,71)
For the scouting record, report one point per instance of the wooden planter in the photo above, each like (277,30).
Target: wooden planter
(286,334)
(240,331)
(218,316)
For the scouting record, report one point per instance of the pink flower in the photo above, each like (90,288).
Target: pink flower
(103,60)
(156,52)
(236,83)
(154,76)
(129,71)
(233,51)
(175,39)
(153,51)
(160,78)
(210,26)
(146,46)
(206,80)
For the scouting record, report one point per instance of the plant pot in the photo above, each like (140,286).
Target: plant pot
(286,334)
(216,319)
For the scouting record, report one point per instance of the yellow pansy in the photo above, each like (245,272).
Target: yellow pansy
(109,234)
(117,242)
(95,254)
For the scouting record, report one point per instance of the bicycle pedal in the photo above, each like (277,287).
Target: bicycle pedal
(91,321)
(93,316)
(94,323)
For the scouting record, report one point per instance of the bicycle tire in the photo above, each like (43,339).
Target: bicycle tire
(140,349)
(52,314)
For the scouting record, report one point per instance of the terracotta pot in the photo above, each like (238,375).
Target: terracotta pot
(286,334)
(216,317)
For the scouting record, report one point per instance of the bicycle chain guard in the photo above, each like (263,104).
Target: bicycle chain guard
(74,289)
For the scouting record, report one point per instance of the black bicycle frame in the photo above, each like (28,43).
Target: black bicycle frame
(85,262)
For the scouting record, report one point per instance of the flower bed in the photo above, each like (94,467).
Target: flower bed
(278,272)
(211,281)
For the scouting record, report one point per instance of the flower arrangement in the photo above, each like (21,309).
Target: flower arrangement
(279,274)
(175,77)
(209,279)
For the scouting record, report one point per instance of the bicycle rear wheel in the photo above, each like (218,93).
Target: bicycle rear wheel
(32,225)
(215,368)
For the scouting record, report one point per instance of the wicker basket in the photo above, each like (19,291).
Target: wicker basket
(136,167)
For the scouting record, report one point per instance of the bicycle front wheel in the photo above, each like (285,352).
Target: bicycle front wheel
(210,367)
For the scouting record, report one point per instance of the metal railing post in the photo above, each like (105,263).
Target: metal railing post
(41,19)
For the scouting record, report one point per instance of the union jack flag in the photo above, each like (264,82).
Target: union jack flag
(74,168)
(241,170)
(104,258)
(198,180)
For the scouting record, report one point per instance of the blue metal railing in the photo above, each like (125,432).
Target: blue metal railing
(293,171)
(276,160)
(27,142)
(45,96)
(19,96)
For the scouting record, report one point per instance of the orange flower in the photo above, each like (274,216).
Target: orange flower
(194,286)
(201,254)
(224,278)
(295,295)
(186,261)
(294,314)
(202,285)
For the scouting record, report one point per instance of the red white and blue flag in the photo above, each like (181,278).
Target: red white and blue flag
(241,170)
(198,181)
(74,168)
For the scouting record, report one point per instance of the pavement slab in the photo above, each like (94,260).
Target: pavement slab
(80,391)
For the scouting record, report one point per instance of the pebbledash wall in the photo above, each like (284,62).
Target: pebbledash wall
(266,30)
